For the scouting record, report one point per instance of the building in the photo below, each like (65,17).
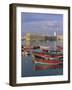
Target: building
(36,38)
(60,37)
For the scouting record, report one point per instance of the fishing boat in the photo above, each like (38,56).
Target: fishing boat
(45,49)
(48,50)
(35,47)
(55,52)
(41,56)
(48,62)
(37,51)
(61,58)
(47,57)
(59,48)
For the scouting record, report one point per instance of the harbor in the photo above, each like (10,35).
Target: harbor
(42,55)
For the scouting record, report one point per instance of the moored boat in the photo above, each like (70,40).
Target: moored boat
(47,57)
(48,52)
(48,62)
(44,47)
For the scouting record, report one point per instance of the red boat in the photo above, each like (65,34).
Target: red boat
(44,50)
(59,48)
(49,62)
(44,56)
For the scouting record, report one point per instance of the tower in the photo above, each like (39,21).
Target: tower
(27,40)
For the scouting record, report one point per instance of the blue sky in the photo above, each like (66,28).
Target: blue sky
(41,23)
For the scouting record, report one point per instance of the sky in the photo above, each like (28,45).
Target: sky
(43,23)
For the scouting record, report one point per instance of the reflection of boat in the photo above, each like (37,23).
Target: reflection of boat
(41,67)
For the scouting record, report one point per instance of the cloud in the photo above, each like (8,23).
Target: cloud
(49,26)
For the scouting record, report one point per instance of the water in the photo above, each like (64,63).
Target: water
(28,71)
(27,68)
